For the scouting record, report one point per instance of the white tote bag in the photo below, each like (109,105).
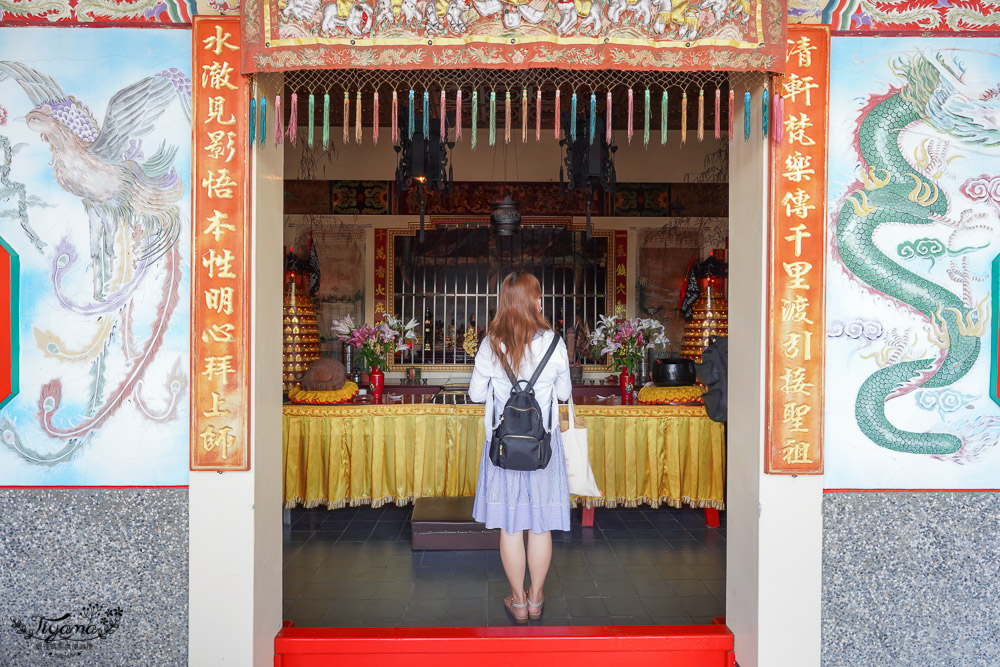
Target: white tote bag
(574,441)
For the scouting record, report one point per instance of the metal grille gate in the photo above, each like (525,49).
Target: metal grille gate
(449,284)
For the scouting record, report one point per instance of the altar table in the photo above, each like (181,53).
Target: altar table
(353,455)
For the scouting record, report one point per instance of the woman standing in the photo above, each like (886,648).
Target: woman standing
(512,500)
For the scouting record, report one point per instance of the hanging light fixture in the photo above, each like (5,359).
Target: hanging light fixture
(422,161)
(505,214)
(588,163)
(505,218)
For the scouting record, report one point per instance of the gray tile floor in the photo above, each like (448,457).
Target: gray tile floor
(354,568)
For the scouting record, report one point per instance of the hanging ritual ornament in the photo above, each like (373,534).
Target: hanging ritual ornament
(628,128)
(664,110)
(253,119)
(311,129)
(684,117)
(731,109)
(764,115)
(475,116)
(326,121)
(279,128)
(262,134)
(701,114)
(718,113)
(505,217)
(645,120)
(357,117)
(746,116)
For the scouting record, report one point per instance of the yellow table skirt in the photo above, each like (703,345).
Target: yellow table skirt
(374,454)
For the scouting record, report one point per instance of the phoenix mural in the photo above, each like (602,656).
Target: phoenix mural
(915,227)
(95,202)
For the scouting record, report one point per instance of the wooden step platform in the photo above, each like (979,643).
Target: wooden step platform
(447,523)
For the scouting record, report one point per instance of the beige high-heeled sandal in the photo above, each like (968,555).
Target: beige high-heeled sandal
(535,608)
(513,608)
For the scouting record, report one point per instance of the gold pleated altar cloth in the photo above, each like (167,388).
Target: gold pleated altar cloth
(374,454)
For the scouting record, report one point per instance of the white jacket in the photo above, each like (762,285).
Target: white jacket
(490,383)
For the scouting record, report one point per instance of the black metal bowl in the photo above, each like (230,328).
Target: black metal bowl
(674,372)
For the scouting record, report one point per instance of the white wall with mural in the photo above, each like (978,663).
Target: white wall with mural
(914,215)
(94,197)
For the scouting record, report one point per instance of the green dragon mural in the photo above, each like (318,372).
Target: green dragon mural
(893,192)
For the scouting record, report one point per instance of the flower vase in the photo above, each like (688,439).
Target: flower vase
(627,383)
(376,381)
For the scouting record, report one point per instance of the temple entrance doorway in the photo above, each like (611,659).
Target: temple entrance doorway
(373,242)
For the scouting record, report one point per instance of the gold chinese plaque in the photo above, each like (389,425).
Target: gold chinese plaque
(797,266)
(220,246)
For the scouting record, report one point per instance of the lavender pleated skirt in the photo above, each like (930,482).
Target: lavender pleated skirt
(514,500)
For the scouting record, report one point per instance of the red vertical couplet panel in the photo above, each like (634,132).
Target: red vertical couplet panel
(797,259)
(220,252)
(619,279)
(9,349)
(381,275)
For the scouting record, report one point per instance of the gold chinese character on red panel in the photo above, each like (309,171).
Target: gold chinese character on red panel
(220,336)
(797,259)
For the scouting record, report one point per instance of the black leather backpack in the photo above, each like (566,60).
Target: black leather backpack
(520,441)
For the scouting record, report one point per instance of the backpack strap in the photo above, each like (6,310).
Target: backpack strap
(541,365)
(508,371)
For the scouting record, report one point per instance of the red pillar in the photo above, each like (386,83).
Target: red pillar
(9,349)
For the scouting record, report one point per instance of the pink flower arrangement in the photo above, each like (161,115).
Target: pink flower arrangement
(627,340)
(376,343)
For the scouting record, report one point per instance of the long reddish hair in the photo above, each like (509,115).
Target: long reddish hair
(518,318)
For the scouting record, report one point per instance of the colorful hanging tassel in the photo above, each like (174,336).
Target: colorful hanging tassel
(375,121)
(779,120)
(253,119)
(293,120)
(443,113)
(458,115)
(279,128)
(538,114)
(326,121)
(684,117)
(493,117)
(645,119)
(524,115)
(764,114)
(312,115)
(718,115)
(592,125)
(628,131)
(607,120)
(506,118)
(746,116)
(558,116)
(572,117)
(475,116)
(774,117)
(412,113)
(701,114)
(357,117)
(394,117)
(664,108)
(347,116)
(427,115)
(732,112)
(262,134)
